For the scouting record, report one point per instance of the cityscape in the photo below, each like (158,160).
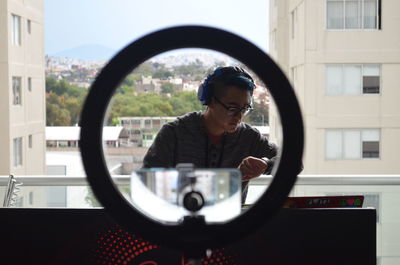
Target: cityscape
(167,76)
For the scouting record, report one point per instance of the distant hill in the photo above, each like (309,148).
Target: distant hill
(87,52)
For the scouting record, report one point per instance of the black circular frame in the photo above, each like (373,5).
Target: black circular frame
(188,237)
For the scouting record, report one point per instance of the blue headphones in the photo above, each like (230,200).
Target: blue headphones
(228,75)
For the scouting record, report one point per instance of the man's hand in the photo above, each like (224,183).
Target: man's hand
(252,167)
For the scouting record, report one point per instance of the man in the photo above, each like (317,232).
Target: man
(216,138)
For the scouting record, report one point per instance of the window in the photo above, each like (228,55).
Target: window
(371,79)
(352,143)
(370,143)
(17,144)
(353,14)
(147,137)
(29,83)
(17,93)
(16,30)
(157,123)
(136,123)
(28,26)
(352,79)
(30,141)
(134,132)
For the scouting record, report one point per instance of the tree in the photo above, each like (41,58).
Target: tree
(130,80)
(125,89)
(145,69)
(191,69)
(63,102)
(57,116)
(184,102)
(74,107)
(162,74)
(74,91)
(57,87)
(260,114)
(51,84)
(167,88)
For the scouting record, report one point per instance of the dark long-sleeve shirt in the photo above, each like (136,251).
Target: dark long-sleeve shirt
(185,140)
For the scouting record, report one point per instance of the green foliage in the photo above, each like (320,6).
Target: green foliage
(63,102)
(51,84)
(145,69)
(162,74)
(167,88)
(131,79)
(259,116)
(125,89)
(192,69)
(57,87)
(56,113)
(184,102)
(152,104)
(128,84)
(74,105)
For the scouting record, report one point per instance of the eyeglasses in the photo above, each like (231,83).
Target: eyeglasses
(233,111)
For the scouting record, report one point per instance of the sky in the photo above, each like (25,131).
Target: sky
(116,23)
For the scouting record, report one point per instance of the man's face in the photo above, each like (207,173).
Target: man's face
(236,98)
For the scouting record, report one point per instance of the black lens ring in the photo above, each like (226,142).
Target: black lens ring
(102,90)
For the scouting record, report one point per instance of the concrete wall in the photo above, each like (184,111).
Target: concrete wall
(310,47)
(25,61)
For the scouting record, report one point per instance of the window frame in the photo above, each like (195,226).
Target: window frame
(17,152)
(16,39)
(16,101)
(361,89)
(360,18)
(342,156)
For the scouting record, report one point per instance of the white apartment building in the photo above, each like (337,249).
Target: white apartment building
(343,59)
(143,130)
(22,87)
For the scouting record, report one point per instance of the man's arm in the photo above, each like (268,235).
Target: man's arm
(162,152)
(265,154)
(252,167)
(269,153)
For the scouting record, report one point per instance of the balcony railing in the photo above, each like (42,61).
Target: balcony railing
(380,191)
(367,180)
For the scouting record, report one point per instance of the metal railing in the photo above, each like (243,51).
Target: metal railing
(56,180)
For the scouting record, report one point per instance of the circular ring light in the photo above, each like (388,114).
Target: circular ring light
(186,237)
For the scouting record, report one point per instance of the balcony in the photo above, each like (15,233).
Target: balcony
(380,191)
